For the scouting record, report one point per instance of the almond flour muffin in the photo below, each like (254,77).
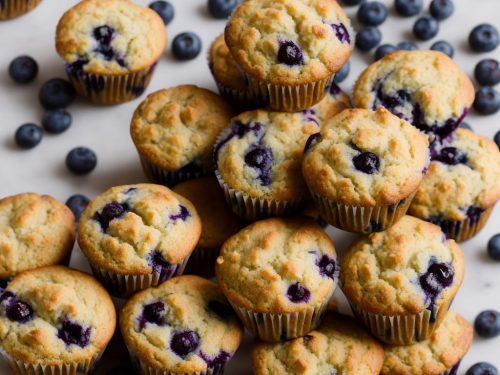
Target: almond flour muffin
(363,169)
(338,346)
(184,326)
(258,160)
(425,88)
(439,355)
(35,231)
(54,320)
(334,102)
(289,50)
(461,186)
(279,275)
(14,8)
(110,48)
(401,282)
(136,236)
(174,131)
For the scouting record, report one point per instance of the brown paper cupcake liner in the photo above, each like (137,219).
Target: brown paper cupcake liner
(202,262)
(15,8)
(166,177)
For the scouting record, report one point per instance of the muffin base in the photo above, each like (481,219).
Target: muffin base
(165,177)
(202,262)
(16,8)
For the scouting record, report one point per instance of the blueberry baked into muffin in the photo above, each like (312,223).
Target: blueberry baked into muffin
(14,8)
(334,102)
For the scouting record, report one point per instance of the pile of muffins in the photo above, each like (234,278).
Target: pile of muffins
(255,175)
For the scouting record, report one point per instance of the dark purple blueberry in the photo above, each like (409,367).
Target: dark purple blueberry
(327,266)
(487,72)
(406,46)
(443,46)
(487,324)
(222,310)
(182,215)
(73,333)
(23,69)
(153,313)
(351,3)
(408,8)
(298,293)
(311,141)
(367,162)
(341,33)
(260,158)
(441,9)
(185,342)
(6,296)
(425,28)
(383,50)
(367,38)
(372,13)
(111,211)
(435,279)
(218,361)
(81,160)
(334,89)
(160,265)
(290,53)
(28,136)
(222,8)
(164,9)
(482,368)
(3,285)
(340,76)
(56,93)
(474,213)
(77,204)
(451,156)
(76,68)
(104,34)
(487,101)
(17,310)
(56,121)
(494,247)
(484,38)
(186,46)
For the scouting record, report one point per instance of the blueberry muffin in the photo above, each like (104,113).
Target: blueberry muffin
(258,160)
(279,275)
(174,131)
(218,222)
(35,231)
(363,169)
(338,346)
(440,354)
(136,236)
(54,320)
(401,282)
(14,8)
(425,88)
(110,48)
(289,50)
(461,186)
(184,326)
(334,102)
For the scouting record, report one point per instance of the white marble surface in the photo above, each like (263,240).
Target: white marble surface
(105,129)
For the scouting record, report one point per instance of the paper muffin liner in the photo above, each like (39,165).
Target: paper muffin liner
(202,262)
(166,177)
(16,8)
(124,286)
(251,208)
(360,219)
(241,99)
(110,89)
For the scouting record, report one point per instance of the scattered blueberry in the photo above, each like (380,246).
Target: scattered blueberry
(383,50)
(406,46)
(290,53)
(351,3)
(73,333)
(368,38)
(183,343)
(56,93)
(28,135)
(482,368)
(487,324)
(342,74)
(484,38)
(444,47)
(77,204)
(441,9)
(465,125)
(496,138)
(367,162)
(23,69)
(164,9)
(112,210)
(186,46)
(297,293)
(56,121)
(81,160)
(408,8)
(494,247)
(222,8)
(487,72)
(487,101)
(425,28)
(372,13)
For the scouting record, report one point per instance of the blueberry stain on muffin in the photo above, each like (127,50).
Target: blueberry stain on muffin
(111,211)
(310,115)
(218,361)
(451,156)
(237,129)
(182,215)
(260,158)
(341,33)
(153,313)
(73,333)
(16,310)
(297,293)
(184,343)
(439,275)
(160,265)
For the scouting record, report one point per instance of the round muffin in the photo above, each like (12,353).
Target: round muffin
(338,346)
(279,275)
(218,222)
(364,167)
(439,355)
(184,326)
(334,102)
(35,231)
(425,88)
(289,49)
(258,159)
(174,131)
(136,236)
(401,282)
(14,8)
(110,48)
(462,185)
(56,319)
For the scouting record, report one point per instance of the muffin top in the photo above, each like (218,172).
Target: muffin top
(462,181)
(110,37)
(334,102)
(278,265)
(289,41)
(184,326)
(338,346)
(426,88)
(406,269)
(55,315)
(35,230)
(223,66)
(218,221)
(443,350)
(176,128)
(260,153)
(139,229)
(366,158)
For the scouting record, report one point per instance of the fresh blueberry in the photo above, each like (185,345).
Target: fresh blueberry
(383,50)
(487,324)
(342,74)
(81,160)
(77,204)
(182,215)
(183,343)
(441,9)
(372,13)
(465,125)
(496,138)
(290,53)
(56,121)
(111,211)
(425,28)
(19,311)
(297,293)
(222,8)
(451,156)
(164,9)
(406,46)
(28,135)
(487,101)
(487,72)
(368,38)
(56,93)
(73,333)
(23,69)
(367,162)
(484,38)
(186,46)
(408,8)
(494,247)
(351,3)
(482,368)
(444,47)
(153,313)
